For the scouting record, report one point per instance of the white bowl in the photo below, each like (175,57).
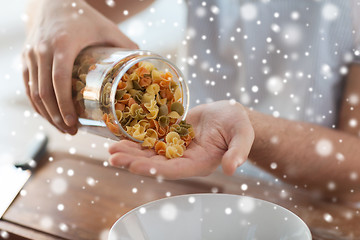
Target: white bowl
(210,217)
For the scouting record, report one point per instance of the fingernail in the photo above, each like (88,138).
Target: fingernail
(70,120)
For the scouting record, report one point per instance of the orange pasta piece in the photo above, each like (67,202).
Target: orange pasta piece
(131,102)
(125,77)
(114,128)
(119,106)
(160,148)
(166,93)
(125,99)
(122,85)
(92,67)
(187,139)
(141,71)
(145,81)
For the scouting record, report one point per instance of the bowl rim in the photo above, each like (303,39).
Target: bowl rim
(207,195)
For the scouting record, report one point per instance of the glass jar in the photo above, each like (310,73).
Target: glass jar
(97,73)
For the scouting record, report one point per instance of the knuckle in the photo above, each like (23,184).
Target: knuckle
(35,96)
(60,38)
(41,49)
(44,94)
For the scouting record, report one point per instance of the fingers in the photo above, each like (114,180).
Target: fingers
(129,147)
(172,169)
(238,150)
(33,84)
(61,80)
(46,90)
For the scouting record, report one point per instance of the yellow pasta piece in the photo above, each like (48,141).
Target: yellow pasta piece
(156,75)
(153,89)
(134,76)
(152,108)
(171,136)
(177,94)
(174,151)
(161,101)
(147,98)
(149,66)
(139,132)
(145,123)
(174,114)
(149,142)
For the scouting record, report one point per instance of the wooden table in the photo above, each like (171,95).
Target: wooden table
(76,197)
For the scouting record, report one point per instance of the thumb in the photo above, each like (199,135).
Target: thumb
(238,151)
(117,38)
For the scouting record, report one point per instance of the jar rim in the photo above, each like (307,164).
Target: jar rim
(139,56)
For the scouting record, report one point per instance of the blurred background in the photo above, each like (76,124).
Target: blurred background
(18,121)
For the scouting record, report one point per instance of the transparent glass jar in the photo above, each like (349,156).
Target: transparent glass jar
(97,73)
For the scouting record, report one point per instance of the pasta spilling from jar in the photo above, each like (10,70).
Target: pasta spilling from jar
(149,107)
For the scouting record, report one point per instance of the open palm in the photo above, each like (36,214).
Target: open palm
(223,135)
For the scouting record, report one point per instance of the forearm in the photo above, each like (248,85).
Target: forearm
(306,154)
(121,9)
(117,12)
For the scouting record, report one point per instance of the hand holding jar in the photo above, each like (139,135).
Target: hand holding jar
(57,32)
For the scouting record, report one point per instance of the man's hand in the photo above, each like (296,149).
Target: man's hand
(224,135)
(57,32)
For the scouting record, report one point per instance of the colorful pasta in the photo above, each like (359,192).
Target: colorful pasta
(149,106)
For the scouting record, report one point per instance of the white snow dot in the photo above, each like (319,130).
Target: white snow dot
(353,122)
(353,99)
(23,192)
(27,113)
(110,3)
(168,194)
(331,186)
(214,190)
(70,172)
(274,84)
(276,114)
(59,170)
(168,212)
(142,210)
(228,211)
(275,27)
(58,186)
(63,227)
(340,157)
(324,147)
(343,70)
(126,12)
(72,150)
(295,15)
(232,102)
(248,11)
(200,12)
(152,171)
(254,88)
(134,190)
(273,165)
(215,10)
(191,199)
(246,205)
(90,181)
(60,207)
(328,217)
(244,187)
(330,12)
(353,176)
(46,222)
